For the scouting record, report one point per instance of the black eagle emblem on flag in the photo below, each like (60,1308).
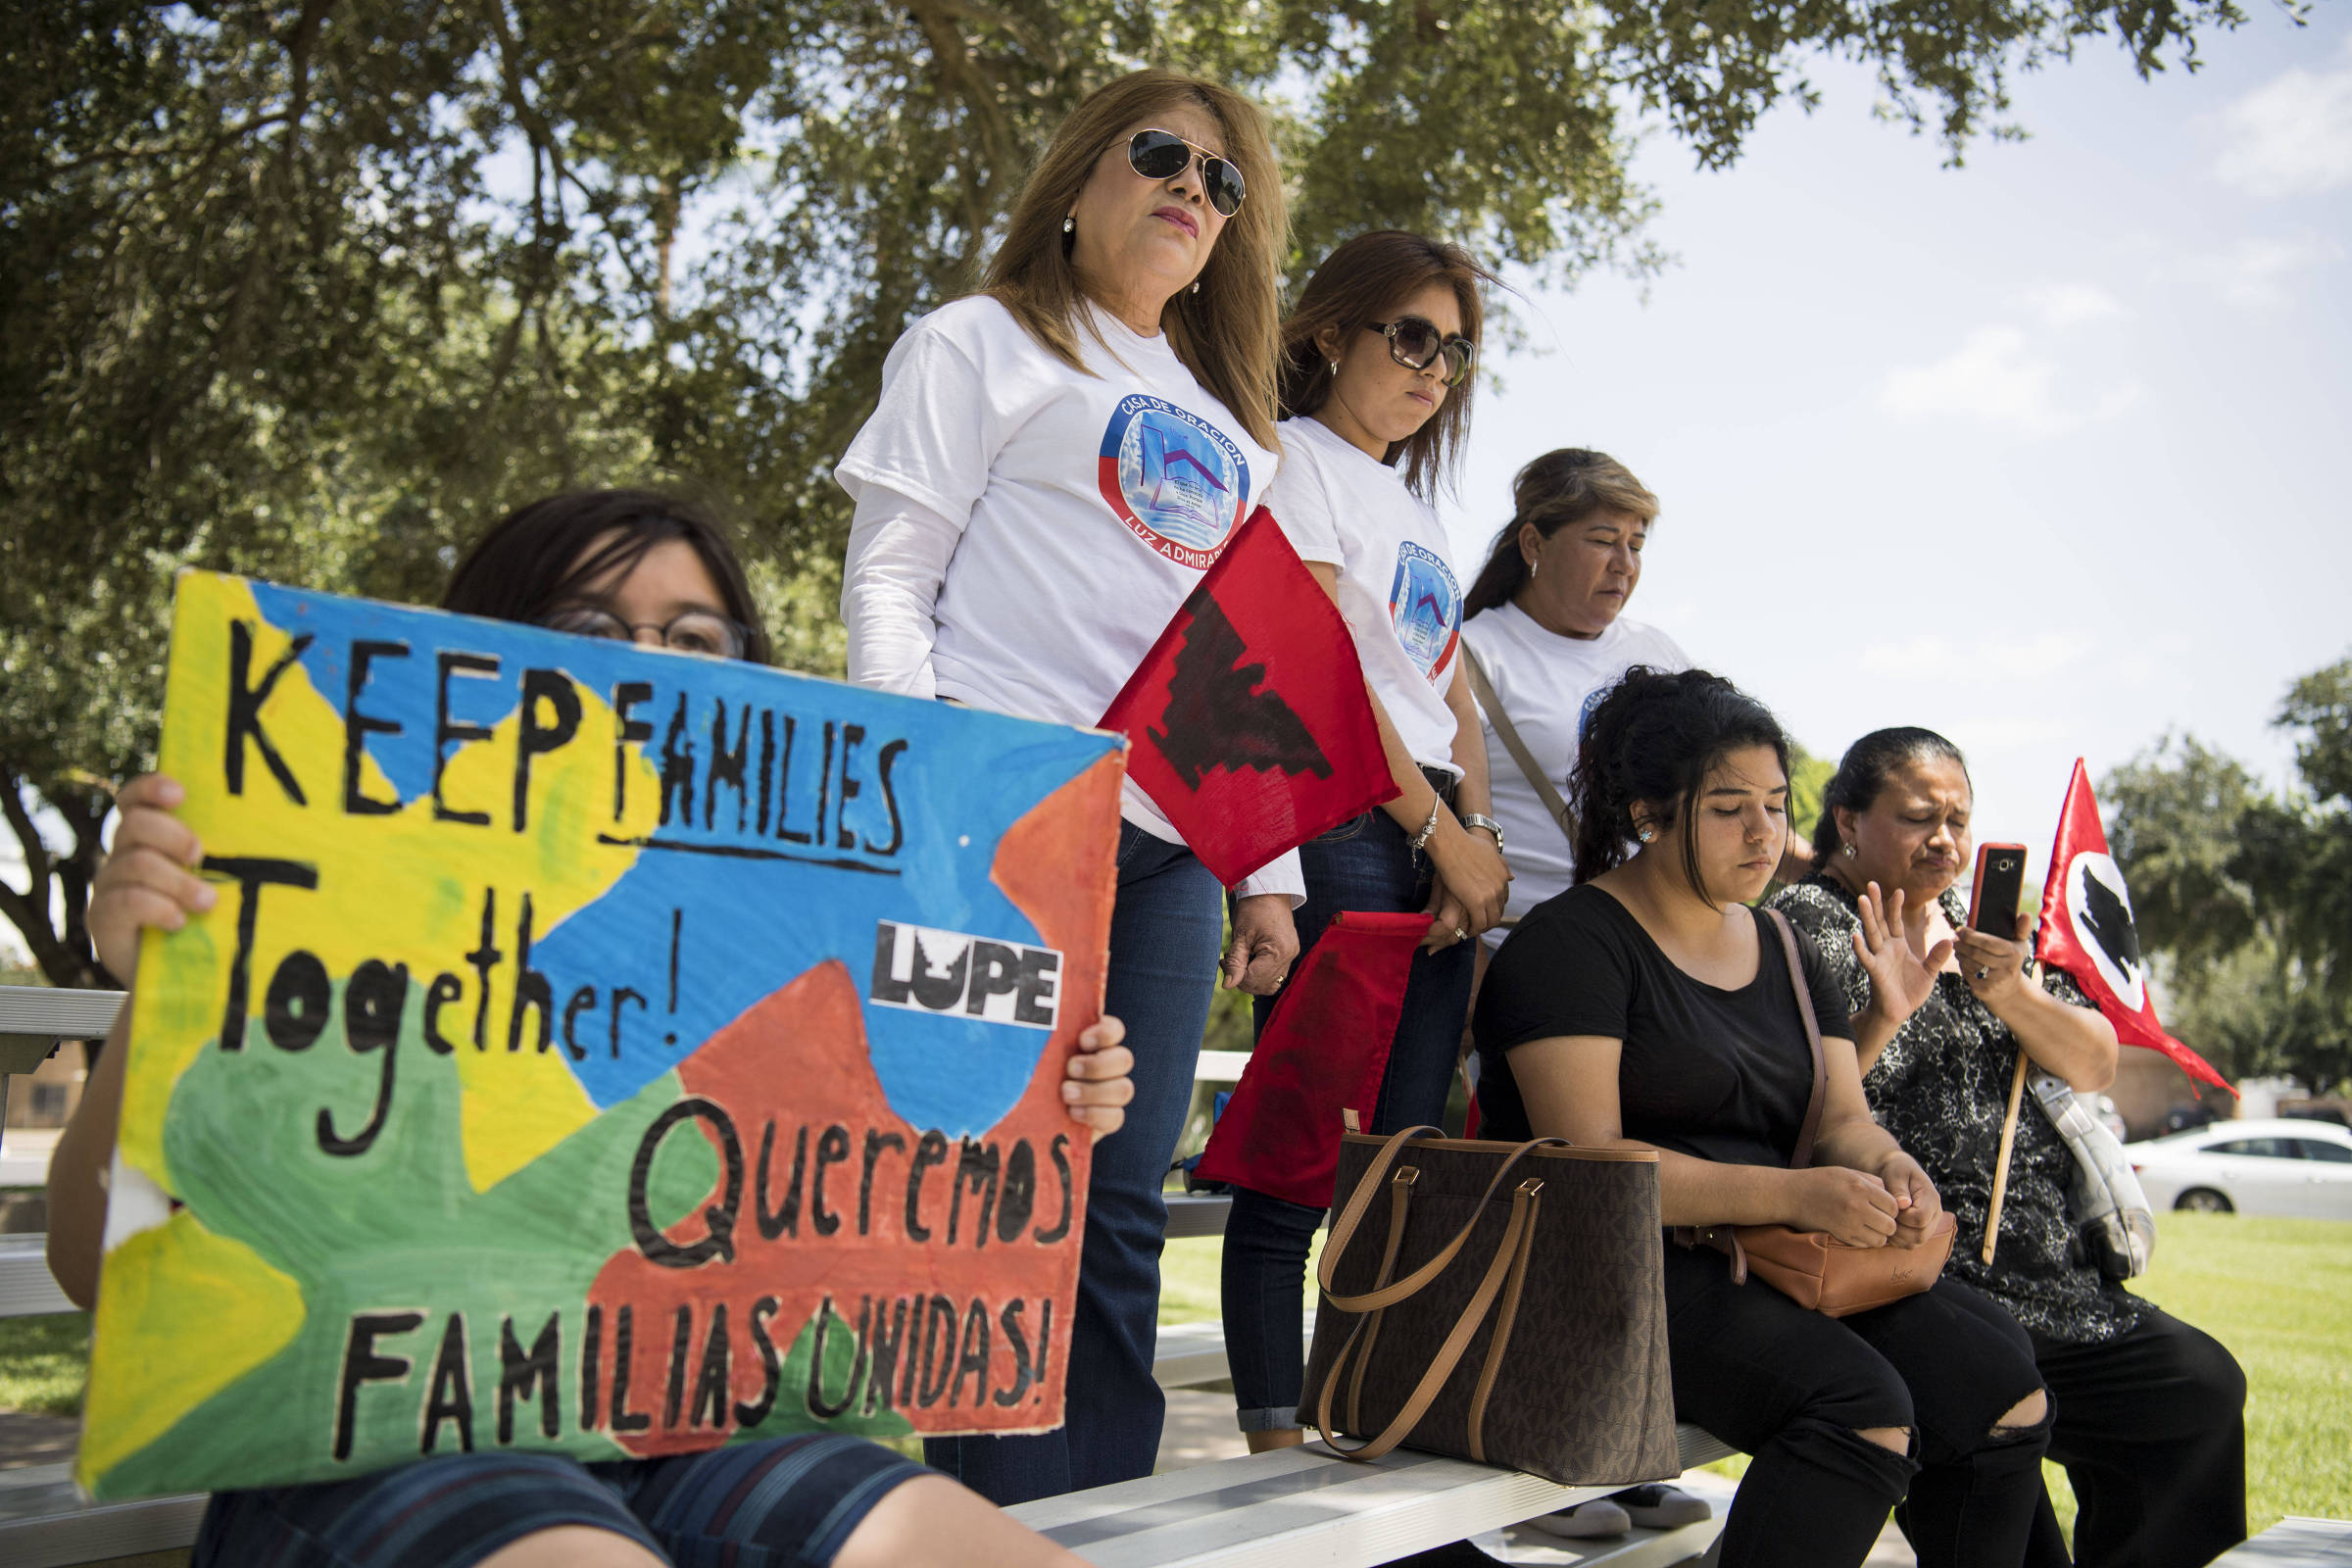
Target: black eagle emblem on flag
(2109,920)
(1217,718)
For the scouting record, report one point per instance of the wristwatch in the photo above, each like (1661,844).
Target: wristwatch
(1473,820)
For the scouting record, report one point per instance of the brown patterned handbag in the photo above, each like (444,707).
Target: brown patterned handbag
(1815,1270)
(1498,1303)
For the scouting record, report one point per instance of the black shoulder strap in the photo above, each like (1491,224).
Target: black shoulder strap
(1804,1006)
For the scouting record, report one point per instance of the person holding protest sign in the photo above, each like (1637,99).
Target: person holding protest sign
(1648,1007)
(628,566)
(1054,464)
(2151,1410)
(1370,427)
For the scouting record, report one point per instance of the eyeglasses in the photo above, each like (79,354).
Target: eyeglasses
(690,631)
(1163,155)
(1415,343)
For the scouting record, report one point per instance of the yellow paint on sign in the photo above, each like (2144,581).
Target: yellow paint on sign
(249,1312)
(516,1105)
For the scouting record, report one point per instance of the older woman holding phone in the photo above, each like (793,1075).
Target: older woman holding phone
(1054,462)
(2151,1411)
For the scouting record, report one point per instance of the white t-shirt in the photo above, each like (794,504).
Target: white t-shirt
(1025,531)
(1397,588)
(1548,685)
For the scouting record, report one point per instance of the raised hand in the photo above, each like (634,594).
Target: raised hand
(1900,978)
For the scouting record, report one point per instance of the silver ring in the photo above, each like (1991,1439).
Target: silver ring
(1984,974)
(1461,933)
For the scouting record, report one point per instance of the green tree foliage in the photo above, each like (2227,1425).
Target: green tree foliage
(2245,896)
(311,288)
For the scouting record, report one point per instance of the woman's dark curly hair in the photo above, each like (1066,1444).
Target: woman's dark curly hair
(1652,741)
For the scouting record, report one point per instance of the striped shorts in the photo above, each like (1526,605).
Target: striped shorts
(780,1504)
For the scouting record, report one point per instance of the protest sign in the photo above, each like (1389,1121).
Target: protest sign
(593,1050)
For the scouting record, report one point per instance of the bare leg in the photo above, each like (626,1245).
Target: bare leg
(2026,1413)
(1897,1438)
(933,1520)
(573,1547)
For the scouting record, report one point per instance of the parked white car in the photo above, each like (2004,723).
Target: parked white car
(2284,1166)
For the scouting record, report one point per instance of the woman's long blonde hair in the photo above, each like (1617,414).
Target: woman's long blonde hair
(1228,334)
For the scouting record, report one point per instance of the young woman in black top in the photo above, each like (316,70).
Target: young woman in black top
(1649,1007)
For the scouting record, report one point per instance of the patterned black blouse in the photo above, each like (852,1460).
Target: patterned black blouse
(1941,1086)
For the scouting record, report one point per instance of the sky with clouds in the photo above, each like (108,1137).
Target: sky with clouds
(2045,452)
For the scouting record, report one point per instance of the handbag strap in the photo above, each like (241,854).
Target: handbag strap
(1484,690)
(1804,1006)
(1511,1259)
(1368,1186)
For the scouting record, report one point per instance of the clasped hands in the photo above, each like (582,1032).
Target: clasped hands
(1892,1205)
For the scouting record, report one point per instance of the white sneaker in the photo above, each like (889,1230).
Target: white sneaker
(1659,1506)
(1600,1517)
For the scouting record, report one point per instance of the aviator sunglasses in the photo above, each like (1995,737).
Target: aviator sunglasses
(1414,343)
(1163,155)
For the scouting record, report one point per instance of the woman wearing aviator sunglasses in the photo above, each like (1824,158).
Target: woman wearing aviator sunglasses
(1054,462)
(1374,387)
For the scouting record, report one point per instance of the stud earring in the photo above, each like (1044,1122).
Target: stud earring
(1069,225)
(1534,565)
(1647,835)
(1195,286)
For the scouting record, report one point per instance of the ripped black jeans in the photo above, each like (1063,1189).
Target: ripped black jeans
(1794,1389)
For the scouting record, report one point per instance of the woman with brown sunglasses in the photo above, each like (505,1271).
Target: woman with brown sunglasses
(1375,390)
(1054,462)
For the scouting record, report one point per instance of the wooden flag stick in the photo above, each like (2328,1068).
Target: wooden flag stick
(2000,1170)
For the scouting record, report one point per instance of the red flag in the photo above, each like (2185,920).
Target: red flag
(1323,1051)
(2088,931)
(1247,723)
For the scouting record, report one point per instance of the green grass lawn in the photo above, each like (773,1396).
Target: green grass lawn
(2276,1291)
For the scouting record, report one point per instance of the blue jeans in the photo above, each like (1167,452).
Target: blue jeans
(1167,930)
(1367,863)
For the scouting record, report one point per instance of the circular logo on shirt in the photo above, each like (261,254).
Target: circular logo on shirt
(1178,482)
(1425,604)
(1584,715)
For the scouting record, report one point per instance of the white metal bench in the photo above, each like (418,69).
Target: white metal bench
(1297,1506)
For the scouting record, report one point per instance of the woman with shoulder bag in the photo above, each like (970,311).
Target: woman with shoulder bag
(1547,634)
(1375,394)
(2151,1411)
(1054,462)
(1649,1007)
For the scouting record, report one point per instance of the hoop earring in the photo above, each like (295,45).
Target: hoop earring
(1069,225)
(1849,852)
